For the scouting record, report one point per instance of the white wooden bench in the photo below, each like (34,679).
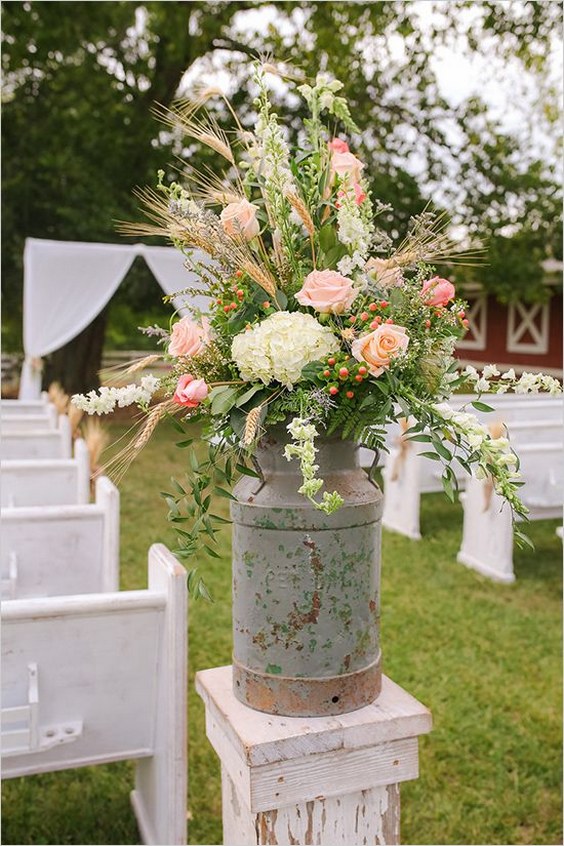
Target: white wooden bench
(29,422)
(9,407)
(24,443)
(508,408)
(61,549)
(407,474)
(487,536)
(90,679)
(57,481)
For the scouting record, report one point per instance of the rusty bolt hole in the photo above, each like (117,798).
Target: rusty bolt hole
(335,699)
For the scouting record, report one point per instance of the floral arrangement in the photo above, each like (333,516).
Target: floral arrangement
(315,319)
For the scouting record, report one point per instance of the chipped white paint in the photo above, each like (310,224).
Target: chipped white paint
(56,481)
(61,549)
(112,668)
(330,780)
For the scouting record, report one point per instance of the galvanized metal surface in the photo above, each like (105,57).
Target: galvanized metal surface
(306,586)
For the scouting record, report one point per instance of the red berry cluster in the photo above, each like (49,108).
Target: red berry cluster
(342,374)
(373,315)
(231,301)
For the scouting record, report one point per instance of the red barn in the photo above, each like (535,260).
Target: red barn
(525,336)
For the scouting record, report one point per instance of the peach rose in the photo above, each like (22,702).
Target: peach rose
(239,219)
(326,291)
(380,346)
(187,338)
(384,272)
(345,164)
(190,392)
(338,146)
(437,291)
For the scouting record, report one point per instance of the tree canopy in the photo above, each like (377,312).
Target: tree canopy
(80,78)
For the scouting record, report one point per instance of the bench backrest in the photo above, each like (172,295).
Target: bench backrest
(38,443)
(542,470)
(10,407)
(58,481)
(61,549)
(96,678)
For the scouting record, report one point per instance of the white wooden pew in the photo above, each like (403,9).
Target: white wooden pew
(407,474)
(508,408)
(512,405)
(38,442)
(61,549)
(29,422)
(43,481)
(487,537)
(89,679)
(10,407)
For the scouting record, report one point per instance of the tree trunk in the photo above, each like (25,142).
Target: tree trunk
(75,366)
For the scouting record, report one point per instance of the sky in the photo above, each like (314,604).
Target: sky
(511,94)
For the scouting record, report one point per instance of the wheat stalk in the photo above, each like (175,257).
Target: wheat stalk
(117,466)
(75,416)
(96,439)
(151,423)
(259,276)
(58,397)
(142,363)
(251,425)
(302,211)
(207,130)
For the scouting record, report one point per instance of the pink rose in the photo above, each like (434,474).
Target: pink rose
(437,291)
(345,164)
(338,146)
(326,291)
(384,272)
(239,220)
(380,346)
(187,338)
(359,194)
(190,392)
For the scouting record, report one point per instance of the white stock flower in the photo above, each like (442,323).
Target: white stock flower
(489,371)
(279,347)
(527,384)
(106,400)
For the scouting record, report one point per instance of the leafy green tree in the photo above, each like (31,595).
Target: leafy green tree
(80,79)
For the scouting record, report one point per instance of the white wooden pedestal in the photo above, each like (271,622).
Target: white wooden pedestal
(319,780)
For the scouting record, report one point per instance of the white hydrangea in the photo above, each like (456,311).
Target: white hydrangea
(280,347)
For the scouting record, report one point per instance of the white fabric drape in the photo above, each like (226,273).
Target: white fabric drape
(67,283)
(167,265)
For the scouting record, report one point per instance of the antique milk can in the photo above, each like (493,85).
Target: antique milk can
(306,585)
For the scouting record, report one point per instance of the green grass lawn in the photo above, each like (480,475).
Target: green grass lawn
(485,658)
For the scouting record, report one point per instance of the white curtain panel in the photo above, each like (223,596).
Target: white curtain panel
(168,266)
(67,283)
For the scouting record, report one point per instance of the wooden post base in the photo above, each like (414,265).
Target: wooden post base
(322,780)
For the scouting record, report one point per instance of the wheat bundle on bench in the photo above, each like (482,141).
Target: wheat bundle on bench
(90,679)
